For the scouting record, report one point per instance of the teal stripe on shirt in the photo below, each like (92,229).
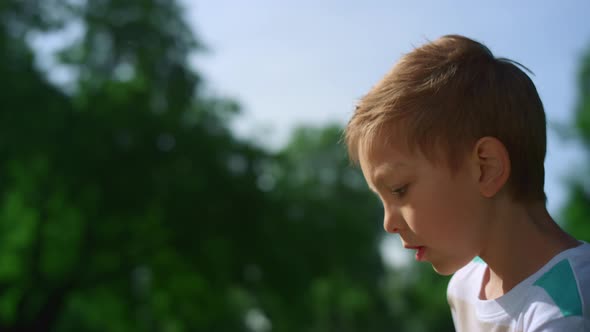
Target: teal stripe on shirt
(560,283)
(477,259)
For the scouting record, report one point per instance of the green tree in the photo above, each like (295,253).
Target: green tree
(22,167)
(115,199)
(334,228)
(577,210)
(328,238)
(127,204)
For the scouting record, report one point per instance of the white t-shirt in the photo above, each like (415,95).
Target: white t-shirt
(555,298)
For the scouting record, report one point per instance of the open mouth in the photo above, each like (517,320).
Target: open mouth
(420,250)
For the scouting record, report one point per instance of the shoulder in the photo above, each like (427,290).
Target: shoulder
(543,318)
(565,286)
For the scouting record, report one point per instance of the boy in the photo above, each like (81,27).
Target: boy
(453,142)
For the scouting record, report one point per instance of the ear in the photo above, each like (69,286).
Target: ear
(493,164)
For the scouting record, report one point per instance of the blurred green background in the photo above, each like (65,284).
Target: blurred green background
(127,203)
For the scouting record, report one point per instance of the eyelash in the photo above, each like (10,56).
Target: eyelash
(400,191)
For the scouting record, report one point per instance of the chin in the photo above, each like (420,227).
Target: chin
(447,268)
(444,271)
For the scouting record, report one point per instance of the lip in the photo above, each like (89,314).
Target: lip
(412,247)
(420,250)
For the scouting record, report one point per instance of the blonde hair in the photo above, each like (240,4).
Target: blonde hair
(445,95)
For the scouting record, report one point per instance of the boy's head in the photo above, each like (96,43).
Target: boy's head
(444,96)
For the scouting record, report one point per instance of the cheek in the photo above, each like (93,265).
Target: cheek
(433,216)
(445,211)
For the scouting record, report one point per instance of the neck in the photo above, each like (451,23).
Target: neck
(522,239)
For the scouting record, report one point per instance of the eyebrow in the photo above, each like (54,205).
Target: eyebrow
(382,171)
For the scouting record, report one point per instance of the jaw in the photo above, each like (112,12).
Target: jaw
(448,265)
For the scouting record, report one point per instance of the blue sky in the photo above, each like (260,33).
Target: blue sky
(307,62)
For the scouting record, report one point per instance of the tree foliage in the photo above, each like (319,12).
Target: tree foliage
(127,204)
(577,210)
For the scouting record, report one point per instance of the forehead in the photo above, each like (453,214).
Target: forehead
(382,147)
(381,156)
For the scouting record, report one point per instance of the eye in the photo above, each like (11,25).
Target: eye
(400,191)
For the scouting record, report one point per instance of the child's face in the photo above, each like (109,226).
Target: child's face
(430,208)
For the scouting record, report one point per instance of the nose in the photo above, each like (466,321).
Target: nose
(393,220)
